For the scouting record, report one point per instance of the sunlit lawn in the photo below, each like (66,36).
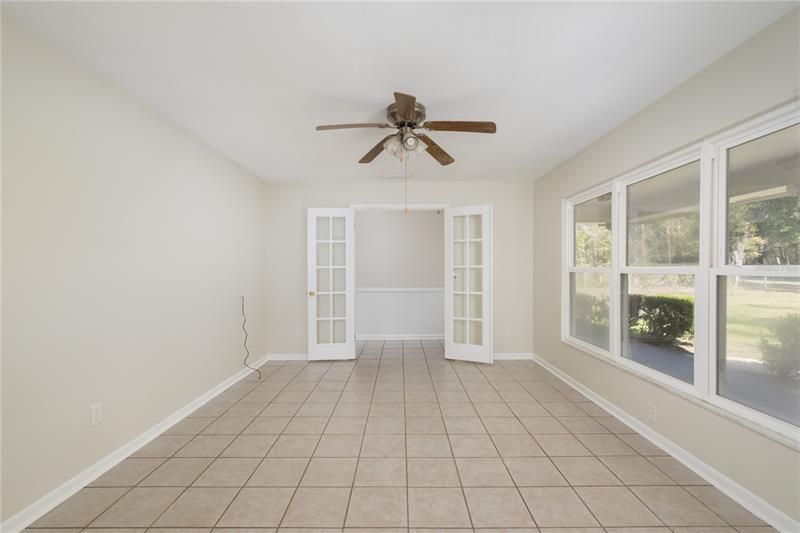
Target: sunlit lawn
(751,312)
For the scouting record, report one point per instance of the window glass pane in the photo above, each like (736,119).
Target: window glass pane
(323,280)
(459,305)
(323,305)
(593,232)
(339,280)
(475,227)
(758,344)
(323,229)
(459,229)
(589,295)
(476,332)
(338,254)
(476,253)
(323,254)
(460,331)
(459,255)
(764,200)
(664,218)
(323,331)
(339,331)
(475,279)
(475,306)
(658,322)
(459,279)
(338,228)
(339,306)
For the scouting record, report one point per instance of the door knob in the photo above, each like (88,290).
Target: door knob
(312,293)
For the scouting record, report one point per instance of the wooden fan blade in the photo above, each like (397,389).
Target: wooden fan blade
(356,125)
(435,150)
(455,125)
(405,106)
(377,149)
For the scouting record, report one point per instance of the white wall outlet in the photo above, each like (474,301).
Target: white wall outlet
(652,414)
(298,332)
(507,331)
(95,414)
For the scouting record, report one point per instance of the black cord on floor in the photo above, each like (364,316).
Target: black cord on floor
(245,343)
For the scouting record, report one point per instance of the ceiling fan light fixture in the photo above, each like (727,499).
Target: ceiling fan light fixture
(410,141)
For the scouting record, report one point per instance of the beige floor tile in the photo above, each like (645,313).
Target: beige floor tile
(437,508)
(561,445)
(440,472)
(428,446)
(346,425)
(385,425)
(457,409)
(676,471)
(605,444)
(528,409)
(381,472)
(227,472)
(279,472)
(538,425)
(162,446)
(676,507)
(617,507)
(384,446)
(636,471)
(425,425)
(516,446)
(205,446)
(197,507)
(423,409)
(483,472)
(583,471)
(306,425)
(557,507)
(316,409)
(329,472)
(281,409)
(563,409)
(294,446)
(229,425)
(127,473)
(582,425)
(730,511)
(463,425)
(317,507)
(351,410)
(338,446)
(534,472)
(138,508)
(472,446)
(257,507)
(377,507)
(497,508)
(80,509)
(387,409)
(250,446)
(504,426)
(267,425)
(177,472)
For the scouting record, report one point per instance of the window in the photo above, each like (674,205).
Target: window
(663,229)
(590,291)
(715,314)
(758,305)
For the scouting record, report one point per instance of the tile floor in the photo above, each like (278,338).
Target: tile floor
(401,439)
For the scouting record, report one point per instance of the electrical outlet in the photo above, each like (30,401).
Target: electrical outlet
(298,332)
(95,414)
(651,412)
(507,331)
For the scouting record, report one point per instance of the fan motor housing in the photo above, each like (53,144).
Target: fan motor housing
(393,117)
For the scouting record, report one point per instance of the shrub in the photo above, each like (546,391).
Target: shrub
(661,319)
(783,358)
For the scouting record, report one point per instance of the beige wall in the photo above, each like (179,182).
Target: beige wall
(399,249)
(126,245)
(760,74)
(286,315)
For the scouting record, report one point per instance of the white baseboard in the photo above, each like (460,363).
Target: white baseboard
(287,357)
(43,505)
(409,337)
(753,503)
(508,356)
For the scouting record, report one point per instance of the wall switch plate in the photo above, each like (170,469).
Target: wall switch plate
(95,414)
(651,412)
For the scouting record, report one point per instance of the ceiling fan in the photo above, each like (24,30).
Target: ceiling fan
(406,115)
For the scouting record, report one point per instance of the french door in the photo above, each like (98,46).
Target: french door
(331,287)
(468,283)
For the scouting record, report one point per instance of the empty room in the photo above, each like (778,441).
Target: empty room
(400,267)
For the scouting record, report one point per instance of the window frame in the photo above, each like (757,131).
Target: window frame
(711,152)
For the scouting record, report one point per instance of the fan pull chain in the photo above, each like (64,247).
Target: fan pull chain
(405,184)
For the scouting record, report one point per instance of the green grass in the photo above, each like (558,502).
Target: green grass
(751,313)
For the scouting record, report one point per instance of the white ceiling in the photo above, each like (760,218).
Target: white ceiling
(253,79)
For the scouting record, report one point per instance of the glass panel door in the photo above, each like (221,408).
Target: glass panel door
(331,329)
(468,291)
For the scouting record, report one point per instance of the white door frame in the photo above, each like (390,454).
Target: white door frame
(484,352)
(347,348)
